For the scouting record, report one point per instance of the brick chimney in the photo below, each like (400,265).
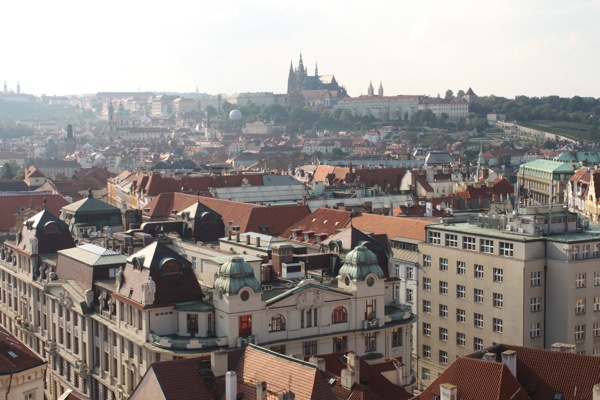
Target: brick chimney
(509,358)
(218,362)
(230,385)
(448,391)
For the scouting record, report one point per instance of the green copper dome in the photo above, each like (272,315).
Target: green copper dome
(359,263)
(234,275)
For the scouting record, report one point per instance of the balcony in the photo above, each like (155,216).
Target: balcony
(371,323)
(185,342)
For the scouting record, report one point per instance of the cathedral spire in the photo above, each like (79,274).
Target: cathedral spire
(316,69)
(370,90)
(380,90)
(301,64)
(18,87)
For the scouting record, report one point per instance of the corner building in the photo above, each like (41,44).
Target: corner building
(529,278)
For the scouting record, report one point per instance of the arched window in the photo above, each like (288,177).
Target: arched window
(339,315)
(277,323)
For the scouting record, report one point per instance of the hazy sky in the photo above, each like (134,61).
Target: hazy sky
(506,48)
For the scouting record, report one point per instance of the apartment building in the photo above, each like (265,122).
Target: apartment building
(529,278)
(101,318)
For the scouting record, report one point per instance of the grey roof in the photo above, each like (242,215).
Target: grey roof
(280,180)
(262,194)
(89,205)
(376,201)
(93,255)
(438,157)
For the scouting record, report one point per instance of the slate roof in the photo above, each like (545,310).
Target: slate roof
(15,356)
(170,288)
(90,205)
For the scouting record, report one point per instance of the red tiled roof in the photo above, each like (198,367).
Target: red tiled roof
(249,217)
(21,358)
(12,204)
(540,374)
(323,220)
(391,226)
(477,379)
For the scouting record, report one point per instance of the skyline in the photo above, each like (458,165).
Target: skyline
(506,48)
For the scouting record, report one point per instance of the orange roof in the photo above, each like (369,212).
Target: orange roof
(391,226)
(12,204)
(271,220)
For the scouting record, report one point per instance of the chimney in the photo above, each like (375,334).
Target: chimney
(351,374)
(319,362)
(509,358)
(230,385)
(596,395)
(489,357)
(448,391)
(257,241)
(248,239)
(237,237)
(261,390)
(228,235)
(218,362)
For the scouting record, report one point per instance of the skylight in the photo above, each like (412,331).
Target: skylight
(12,354)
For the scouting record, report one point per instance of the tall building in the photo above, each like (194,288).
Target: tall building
(530,278)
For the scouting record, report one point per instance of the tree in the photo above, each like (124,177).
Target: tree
(449,94)
(210,111)
(7,171)
(460,94)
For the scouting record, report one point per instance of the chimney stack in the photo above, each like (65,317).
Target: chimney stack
(261,390)
(319,362)
(489,357)
(230,385)
(509,358)
(218,362)
(351,374)
(448,391)
(257,241)
(248,239)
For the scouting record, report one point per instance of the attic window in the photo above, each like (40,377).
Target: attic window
(12,354)
(174,212)
(146,210)
(557,396)
(263,228)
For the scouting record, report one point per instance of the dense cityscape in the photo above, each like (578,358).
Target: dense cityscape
(309,244)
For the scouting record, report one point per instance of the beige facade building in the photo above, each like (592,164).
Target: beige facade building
(531,279)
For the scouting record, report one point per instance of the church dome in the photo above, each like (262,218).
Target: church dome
(234,275)
(359,263)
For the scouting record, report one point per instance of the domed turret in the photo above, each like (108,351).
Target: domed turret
(234,275)
(359,263)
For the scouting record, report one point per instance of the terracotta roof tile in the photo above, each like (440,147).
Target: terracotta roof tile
(15,356)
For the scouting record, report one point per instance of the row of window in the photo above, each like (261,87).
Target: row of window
(581,279)
(340,343)
(470,243)
(497,325)
(580,331)
(309,317)
(581,303)
(479,272)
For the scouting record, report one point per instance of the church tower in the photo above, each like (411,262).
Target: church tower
(18,87)
(380,90)
(370,90)
(316,70)
(111,117)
